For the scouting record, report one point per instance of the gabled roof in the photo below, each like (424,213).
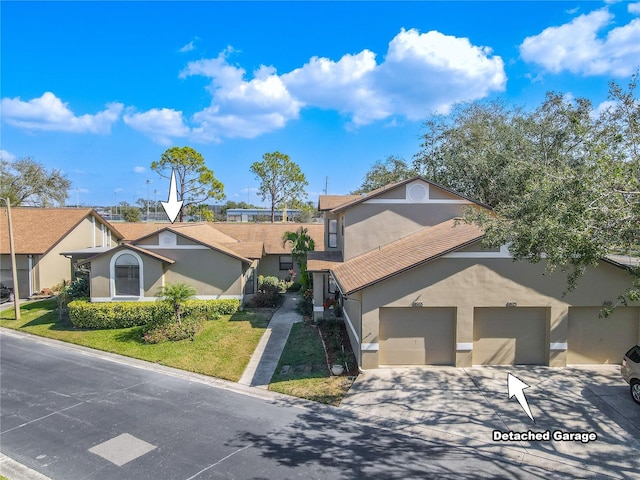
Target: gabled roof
(374,193)
(135,248)
(401,255)
(38,230)
(271,234)
(204,234)
(329,202)
(254,250)
(323,261)
(135,230)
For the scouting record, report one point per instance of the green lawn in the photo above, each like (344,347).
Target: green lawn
(222,349)
(304,348)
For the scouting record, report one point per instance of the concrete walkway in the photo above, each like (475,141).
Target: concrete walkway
(265,358)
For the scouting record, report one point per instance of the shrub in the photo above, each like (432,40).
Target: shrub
(173,331)
(84,314)
(269,284)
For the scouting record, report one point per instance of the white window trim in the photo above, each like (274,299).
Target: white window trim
(112,274)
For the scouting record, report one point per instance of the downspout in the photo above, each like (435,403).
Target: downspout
(93,231)
(30,274)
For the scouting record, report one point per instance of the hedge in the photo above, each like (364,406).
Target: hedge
(84,314)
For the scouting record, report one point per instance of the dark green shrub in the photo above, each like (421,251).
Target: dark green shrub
(84,314)
(174,331)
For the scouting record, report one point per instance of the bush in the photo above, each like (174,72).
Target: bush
(173,331)
(269,284)
(84,314)
(265,300)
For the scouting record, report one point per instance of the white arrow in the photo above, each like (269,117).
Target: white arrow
(516,387)
(172,206)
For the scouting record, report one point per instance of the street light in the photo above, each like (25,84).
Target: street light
(12,252)
(148,182)
(155,202)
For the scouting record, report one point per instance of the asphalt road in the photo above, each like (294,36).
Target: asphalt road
(72,415)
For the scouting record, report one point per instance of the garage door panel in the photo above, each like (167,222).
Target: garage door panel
(594,340)
(509,336)
(417,336)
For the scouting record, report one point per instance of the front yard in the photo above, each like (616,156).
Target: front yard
(222,349)
(303,369)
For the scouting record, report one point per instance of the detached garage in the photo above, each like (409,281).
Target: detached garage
(417,336)
(592,339)
(510,336)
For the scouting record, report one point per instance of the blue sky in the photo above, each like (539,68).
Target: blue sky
(100,90)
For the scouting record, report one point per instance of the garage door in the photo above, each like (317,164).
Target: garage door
(591,339)
(509,336)
(23,281)
(417,336)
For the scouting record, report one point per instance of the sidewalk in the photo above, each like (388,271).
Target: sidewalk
(265,358)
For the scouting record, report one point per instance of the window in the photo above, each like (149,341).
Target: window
(333,233)
(331,288)
(286,262)
(127,275)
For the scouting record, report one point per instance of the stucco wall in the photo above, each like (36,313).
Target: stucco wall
(368,226)
(210,272)
(469,283)
(53,267)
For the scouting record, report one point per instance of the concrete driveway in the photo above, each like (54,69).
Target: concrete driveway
(466,406)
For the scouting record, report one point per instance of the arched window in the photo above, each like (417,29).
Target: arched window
(127,275)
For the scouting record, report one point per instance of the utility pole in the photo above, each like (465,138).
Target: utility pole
(326,185)
(14,271)
(115,199)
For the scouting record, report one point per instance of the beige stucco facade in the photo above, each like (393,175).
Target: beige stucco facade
(463,304)
(166,258)
(41,270)
(471,284)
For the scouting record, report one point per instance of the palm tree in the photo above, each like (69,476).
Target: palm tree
(301,243)
(175,294)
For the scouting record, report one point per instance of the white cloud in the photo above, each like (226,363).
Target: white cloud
(240,107)
(139,169)
(634,8)
(161,124)
(576,46)
(49,113)
(430,72)
(7,156)
(421,73)
(189,46)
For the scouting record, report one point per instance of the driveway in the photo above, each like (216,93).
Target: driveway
(466,406)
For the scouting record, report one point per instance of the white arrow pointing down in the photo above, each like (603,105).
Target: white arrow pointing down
(172,206)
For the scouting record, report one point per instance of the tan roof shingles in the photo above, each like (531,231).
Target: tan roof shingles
(135,230)
(271,234)
(329,202)
(38,230)
(401,255)
(323,261)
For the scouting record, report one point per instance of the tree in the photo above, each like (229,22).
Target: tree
(281,180)
(301,243)
(383,172)
(195,182)
(175,294)
(563,179)
(26,182)
(130,213)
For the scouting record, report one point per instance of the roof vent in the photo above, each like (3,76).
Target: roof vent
(417,193)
